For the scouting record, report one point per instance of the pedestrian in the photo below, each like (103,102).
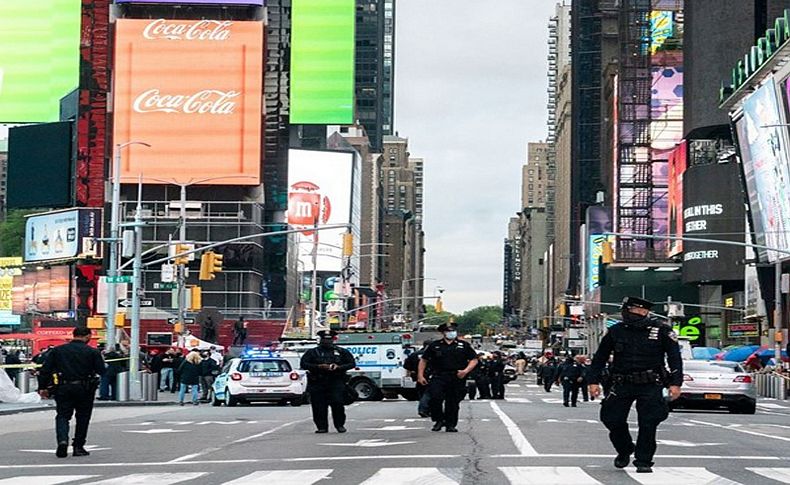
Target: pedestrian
(155,365)
(115,365)
(451,360)
(570,376)
(496,373)
(166,381)
(208,330)
(584,362)
(216,355)
(13,359)
(640,345)
(70,375)
(521,364)
(239,331)
(482,379)
(189,375)
(209,370)
(178,359)
(411,365)
(548,373)
(326,367)
(474,377)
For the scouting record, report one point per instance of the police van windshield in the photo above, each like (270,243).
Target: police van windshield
(264,366)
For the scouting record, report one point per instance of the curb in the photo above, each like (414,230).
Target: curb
(97,404)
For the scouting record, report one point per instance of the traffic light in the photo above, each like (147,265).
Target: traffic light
(348,244)
(210,263)
(182,248)
(439,306)
(608,253)
(196,300)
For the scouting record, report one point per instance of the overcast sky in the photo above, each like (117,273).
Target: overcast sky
(470,90)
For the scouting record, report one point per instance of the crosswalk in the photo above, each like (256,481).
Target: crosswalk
(515,475)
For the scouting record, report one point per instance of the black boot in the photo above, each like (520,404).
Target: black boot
(79,451)
(644,469)
(62,451)
(621,461)
(437,426)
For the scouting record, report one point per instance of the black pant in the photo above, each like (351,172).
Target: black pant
(584,385)
(471,389)
(484,387)
(547,384)
(322,397)
(498,386)
(239,338)
(446,393)
(570,390)
(73,399)
(651,410)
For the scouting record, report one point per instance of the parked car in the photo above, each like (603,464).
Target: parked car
(716,385)
(259,377)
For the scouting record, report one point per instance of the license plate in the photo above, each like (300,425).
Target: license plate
(712,396)
(266,374)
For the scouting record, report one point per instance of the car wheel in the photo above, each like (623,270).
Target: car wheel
(749,408)
(366,390)
(297,402)
(230,401)
(410,395)
(213,398)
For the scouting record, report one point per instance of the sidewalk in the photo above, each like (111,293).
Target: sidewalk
(164,399)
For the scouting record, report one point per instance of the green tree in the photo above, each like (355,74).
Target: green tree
(477,319)
(433,318)
(12,233)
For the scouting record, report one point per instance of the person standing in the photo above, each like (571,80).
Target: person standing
(209,370)
(166,381)
(239,331)
(326,367)
(548,373)
(209,330)
(12,359)
(411,365)
(481,377)
(570,376)
(70,375)
(189,375)
(451,360)
(178,359)
(640,345)
(496,372)
(584,361)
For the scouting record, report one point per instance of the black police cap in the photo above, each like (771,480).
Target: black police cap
(326,333)
(634,301)
(445,327)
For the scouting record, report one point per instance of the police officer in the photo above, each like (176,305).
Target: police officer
(451,360)
(638,373)
(70,375)
(496,372)
(326,367)
(571,375)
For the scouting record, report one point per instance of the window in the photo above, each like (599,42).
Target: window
(264,366)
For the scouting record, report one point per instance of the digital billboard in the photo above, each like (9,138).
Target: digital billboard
(322,62)
(192,90)
(196,2)
(764,157)
(63,235)
(45,290)
(9,267)
(713,209)
(39,58)
(320,189)
(677,166)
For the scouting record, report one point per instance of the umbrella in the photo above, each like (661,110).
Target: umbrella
(766,353)
(740,354)
(704,353)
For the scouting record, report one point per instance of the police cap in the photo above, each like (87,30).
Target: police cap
(633,301)
(446,327)
(326,333)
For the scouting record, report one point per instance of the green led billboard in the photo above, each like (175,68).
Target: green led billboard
(39,57)
(322,62)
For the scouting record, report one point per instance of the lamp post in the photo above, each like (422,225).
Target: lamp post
(403,293)
(112,270)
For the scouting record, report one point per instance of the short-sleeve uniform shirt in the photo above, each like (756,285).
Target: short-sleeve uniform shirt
(445,357)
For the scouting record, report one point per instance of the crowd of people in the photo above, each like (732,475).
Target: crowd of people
(571,373)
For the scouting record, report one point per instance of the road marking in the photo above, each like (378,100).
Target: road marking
(778,474)
(550,400)
(148,478)
(377,443)
(282,477)
(518,400)
(680,476)
(273,430)
(740,430)
(156,431)
(413,476)
(547,475)
(391,428)
(357,457)
(513,385)
(685,444)
(522,445)
(43,479)
(771,405)
(70,449)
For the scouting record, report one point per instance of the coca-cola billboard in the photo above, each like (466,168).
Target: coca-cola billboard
(192,90)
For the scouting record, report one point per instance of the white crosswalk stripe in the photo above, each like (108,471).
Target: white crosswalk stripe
(547,475)
(517,399)
(282,477)
(770,405)
(149,478)
(414,476)
(680,476)
(778,474)
(43,479)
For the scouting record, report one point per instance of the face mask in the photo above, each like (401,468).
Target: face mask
(325,343)
(631,317)
(451,335)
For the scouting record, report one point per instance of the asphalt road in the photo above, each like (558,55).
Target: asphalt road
(528,438)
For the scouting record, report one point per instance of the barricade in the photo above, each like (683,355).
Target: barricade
(771,385)
(122,386)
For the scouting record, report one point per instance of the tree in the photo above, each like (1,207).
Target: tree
(433,318)
(12,233)
(476,319)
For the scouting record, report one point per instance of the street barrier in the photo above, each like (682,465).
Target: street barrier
(26,382)
(150,389)
(122,386)
(772,385)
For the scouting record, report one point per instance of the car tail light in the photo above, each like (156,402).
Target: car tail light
(235,376)
(746,379)
(406,336)
(687,378)
(294,376)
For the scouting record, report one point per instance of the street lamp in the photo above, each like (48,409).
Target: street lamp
(414,296)
(112,270)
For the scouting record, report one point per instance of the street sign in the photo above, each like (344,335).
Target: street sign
(168,273)
(127,302)
(114,280)
(165,286)
(187,321)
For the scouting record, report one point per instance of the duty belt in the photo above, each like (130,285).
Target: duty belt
(642,377)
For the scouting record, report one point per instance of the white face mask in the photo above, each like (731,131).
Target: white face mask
(451,335)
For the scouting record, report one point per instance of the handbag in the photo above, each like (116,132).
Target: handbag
(350,395)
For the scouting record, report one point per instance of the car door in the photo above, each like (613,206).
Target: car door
(221,380)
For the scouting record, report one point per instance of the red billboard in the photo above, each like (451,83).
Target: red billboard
(677,166)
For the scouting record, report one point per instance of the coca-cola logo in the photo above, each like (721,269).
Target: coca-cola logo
(208,101)
(211,30)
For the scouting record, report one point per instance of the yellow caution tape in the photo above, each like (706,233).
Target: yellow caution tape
(35,366)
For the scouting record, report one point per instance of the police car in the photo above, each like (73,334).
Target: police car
(259,376)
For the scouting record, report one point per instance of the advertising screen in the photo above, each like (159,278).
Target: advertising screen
(196,2)
(322,62)
(40,153)
(192,90)
(63,235)
(713,209)
(46,290)
(595,248)
(9,267)
(39,58)
(320,187)
(677,166)
(764,156)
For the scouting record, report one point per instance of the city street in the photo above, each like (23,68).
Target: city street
(528,438)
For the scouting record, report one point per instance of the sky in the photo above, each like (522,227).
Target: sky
(470,92)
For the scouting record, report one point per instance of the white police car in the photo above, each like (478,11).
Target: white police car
(259,376)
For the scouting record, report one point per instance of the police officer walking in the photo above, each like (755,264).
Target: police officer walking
(638,373)
(496,372)
(326,367)
(571,375)
(451,360)
(70,374)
